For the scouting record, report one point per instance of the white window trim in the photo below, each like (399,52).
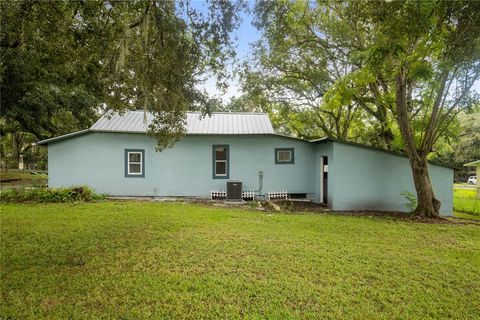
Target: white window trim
(216,161)
(134,162)
(226,169)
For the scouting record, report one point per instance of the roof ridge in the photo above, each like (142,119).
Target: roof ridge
(195,122)
(199,112)
(233,112)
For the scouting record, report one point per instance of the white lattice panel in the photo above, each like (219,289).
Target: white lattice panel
(277,195)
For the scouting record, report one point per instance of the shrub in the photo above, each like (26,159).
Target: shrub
(46,195)
(411,200)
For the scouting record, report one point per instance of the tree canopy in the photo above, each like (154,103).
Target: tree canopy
(395,74)
(63,61)
(432,50)
(310,60)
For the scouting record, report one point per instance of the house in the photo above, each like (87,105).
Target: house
(477,165)
(116,157)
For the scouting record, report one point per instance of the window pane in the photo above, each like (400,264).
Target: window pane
(135,157)
(220,153)
(284,156)
(135,168)
(220,167)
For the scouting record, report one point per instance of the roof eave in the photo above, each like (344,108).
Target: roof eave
(321,140)
(64,136)
(472,164)
(77,133)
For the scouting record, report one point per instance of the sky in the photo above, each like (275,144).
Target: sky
(245,35)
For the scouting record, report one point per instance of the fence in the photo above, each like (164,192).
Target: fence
(222,194)
(277,195)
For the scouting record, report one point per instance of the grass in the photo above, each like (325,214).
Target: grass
(137,260)
(465,201)
(466,216)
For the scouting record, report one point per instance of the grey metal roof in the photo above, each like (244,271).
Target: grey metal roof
(217,123)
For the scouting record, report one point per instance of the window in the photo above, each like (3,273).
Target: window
(284,156)
(134,163)
(221,167)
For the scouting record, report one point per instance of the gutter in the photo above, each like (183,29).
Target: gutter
(68,135)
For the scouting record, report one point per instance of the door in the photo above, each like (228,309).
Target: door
(324,180)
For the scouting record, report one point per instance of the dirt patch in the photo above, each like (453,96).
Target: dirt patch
(300,206)
(407,217)
(293,206)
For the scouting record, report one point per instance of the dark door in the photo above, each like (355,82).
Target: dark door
(324,173)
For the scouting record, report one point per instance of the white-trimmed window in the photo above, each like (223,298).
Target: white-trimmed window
(134,163)
(220,162)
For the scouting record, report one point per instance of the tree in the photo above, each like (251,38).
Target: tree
(78,57)
(308,58)
(285,120)
(15,143)
(408,65)
(464,145)
(433,52)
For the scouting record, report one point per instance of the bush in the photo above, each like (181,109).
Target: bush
(46,195)
(411,200)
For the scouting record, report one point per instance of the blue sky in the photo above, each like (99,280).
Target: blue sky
(245,35)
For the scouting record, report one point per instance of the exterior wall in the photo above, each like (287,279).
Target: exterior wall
(366,179)
(358,178)
(98,160)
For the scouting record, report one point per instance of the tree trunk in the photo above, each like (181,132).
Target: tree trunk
(428,206)
(17,145)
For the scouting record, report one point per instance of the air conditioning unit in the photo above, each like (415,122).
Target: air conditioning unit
(234,190)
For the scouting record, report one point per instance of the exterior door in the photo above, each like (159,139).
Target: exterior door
(323,180)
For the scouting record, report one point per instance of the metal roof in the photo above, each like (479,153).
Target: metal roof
(216,123)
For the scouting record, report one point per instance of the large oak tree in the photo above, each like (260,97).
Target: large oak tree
(66,60)
(410,66)
(308,61)
(433,52)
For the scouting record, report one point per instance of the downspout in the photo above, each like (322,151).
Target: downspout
(260,184)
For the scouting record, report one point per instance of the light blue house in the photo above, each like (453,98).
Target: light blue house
(116,157)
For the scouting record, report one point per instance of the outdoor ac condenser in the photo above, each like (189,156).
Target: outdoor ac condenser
(234,190)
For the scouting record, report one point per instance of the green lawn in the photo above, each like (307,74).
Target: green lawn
(138,260)
(463,184)
(464,200)
(466,216)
